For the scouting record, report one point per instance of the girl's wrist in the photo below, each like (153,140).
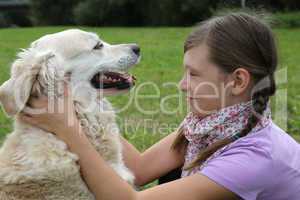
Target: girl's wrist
(71,135)
(78,143)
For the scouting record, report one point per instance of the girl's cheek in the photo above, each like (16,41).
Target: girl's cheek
(196,86)
(203,90)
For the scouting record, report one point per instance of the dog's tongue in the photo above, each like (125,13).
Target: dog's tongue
(129,78)
(128,82)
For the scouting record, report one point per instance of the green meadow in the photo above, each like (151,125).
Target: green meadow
(155,107)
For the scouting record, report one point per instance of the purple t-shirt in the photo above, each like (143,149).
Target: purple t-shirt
(264,165)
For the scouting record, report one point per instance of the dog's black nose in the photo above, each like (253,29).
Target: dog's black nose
(136,49)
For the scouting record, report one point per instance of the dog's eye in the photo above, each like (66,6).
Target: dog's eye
(98,46)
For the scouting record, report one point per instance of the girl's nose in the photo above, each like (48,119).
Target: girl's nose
(183,84)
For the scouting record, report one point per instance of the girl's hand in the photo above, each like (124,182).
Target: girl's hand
(58,116)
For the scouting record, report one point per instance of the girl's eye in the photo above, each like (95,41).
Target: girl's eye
(98,46)
(192,74)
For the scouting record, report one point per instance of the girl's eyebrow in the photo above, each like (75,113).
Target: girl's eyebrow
(190,68)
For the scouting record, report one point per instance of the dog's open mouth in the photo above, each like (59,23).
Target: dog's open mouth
(112,80)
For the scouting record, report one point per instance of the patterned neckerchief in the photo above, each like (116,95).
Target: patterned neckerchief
(229,121)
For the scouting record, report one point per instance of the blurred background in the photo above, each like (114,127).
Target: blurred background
(134,12)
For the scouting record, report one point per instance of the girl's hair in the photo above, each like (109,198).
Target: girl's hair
(237,40)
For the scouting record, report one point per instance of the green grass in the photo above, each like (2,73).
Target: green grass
(287,19)
(161,62)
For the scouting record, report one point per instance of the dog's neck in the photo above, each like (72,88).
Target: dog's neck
(100,117)
(94,122)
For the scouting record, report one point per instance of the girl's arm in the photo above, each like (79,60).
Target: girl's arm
(107,185)
(154,162)
(102,180)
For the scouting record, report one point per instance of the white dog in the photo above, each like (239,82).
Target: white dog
(34,164)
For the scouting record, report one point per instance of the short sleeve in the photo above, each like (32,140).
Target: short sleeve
(242,169)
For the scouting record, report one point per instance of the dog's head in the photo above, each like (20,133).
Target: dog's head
(93,68)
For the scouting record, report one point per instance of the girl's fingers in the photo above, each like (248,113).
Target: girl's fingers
(67,89)
(40,102)
(32,121)
(26,118)
(24,114)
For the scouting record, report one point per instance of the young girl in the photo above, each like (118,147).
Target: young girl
(228,144)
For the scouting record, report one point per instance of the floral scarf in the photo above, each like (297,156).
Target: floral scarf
(228,122)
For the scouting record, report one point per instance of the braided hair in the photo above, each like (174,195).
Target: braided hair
(237,40)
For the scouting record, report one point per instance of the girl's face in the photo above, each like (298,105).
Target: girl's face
(205,84)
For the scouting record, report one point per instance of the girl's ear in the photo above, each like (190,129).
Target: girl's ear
(241,80)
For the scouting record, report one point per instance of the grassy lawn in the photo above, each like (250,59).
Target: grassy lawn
(142,121)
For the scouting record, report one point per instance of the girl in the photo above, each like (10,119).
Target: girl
(228,144)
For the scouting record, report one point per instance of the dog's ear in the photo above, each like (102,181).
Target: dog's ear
(15,92)
(7,97)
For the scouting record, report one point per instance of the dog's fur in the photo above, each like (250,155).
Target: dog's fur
(34,164)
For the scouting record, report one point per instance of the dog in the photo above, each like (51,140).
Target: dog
(35,164)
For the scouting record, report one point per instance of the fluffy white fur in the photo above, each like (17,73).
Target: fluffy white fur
(34,164)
